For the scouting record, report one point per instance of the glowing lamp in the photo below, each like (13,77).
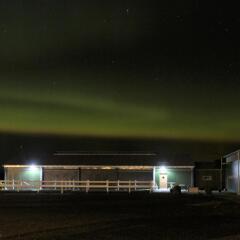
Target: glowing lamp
(163,169)
(33,168)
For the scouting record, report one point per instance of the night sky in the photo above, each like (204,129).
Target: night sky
(152,75)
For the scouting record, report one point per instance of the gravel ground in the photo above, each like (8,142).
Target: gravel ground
(118,216)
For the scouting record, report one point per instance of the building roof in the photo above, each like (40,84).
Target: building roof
(232,153)
(108,159)
(233,156)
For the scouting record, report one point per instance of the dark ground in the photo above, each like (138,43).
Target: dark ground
(118,216)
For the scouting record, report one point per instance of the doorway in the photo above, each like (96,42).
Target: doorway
(163,180)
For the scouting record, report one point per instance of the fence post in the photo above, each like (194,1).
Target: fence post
(18,186)
(39,186)
(61,187)
(151,187)
(129,186)
(87,186)
(13,184)
(135,185)
(118,185)
(107,186)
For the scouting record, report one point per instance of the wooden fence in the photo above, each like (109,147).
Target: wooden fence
(20,185)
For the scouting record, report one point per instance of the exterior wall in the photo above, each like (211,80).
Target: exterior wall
(60,174)
(232,172)
(116,174)
(140,175)
(99,174)
(232,176)
(25,174)
(180,176)
(208,179)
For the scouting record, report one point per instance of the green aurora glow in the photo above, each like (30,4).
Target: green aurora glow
(116,109)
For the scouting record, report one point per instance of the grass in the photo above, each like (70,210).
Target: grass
(117,216)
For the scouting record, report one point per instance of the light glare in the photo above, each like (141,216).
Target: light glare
(163,169)
(33,168)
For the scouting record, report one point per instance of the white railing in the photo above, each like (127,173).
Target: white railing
(18,185)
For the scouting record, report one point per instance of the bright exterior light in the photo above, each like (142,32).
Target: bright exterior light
(163,169)
(33,168)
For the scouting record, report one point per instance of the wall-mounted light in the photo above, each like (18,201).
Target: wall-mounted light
(163,169)
(33,168)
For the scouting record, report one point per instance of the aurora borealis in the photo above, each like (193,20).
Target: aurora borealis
(85,107)
(123,69)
